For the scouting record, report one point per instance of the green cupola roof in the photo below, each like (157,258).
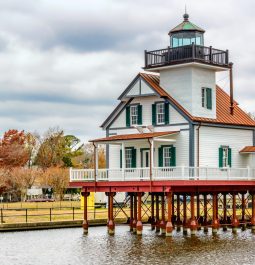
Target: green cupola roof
(186,25)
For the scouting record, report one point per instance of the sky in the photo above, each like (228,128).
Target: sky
(64,63)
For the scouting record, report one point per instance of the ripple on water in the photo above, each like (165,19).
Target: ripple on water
(69,246)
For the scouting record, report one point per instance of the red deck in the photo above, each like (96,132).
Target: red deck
(182,186)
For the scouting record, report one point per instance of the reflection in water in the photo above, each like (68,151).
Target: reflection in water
(69,246)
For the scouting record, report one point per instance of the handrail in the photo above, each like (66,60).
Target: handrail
(192,52)
(166,173)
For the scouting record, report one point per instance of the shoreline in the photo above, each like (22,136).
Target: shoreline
(55,225)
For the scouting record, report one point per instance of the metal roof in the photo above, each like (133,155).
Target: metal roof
(186,25)
(136,136)
(248,149)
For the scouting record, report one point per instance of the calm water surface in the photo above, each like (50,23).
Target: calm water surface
(69,246)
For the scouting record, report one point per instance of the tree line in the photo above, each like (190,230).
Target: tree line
(30,159)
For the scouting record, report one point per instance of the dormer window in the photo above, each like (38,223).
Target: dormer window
(206,97)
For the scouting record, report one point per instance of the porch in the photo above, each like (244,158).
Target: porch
(162,173)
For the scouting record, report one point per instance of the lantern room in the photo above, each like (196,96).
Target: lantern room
(186,33)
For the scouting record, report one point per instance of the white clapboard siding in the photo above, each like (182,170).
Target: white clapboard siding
(146,102)
(211,138)
(181,144)
(185,84)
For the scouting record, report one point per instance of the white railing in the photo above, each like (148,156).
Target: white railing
(163,173)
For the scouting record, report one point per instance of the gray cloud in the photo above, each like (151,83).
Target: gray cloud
(65,62)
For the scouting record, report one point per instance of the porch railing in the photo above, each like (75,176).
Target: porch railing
(186,53)
(163,173)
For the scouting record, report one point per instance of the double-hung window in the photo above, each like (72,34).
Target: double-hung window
(225,156)
(128,158)
(206,97)
(134,114)
(160,112)
(167,156)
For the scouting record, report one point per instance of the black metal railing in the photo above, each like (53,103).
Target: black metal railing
(186,53)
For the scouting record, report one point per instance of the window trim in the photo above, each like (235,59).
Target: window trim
(130,115)
(164,113)
(204,97)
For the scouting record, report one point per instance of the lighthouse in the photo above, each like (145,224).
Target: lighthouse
(188,68)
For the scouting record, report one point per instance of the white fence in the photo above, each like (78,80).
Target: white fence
(163,173)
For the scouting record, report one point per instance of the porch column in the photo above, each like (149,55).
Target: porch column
(131,211)
(215,221)
(235,221)
(123,160)
(198,213)
(152,157)
(95,161)
(169,225)
(205,214)
(253,211)
(157,213)
(85,223)
(111,225)
(184,223)
(135,213)
(152,212)
(139,224)
(193,221)
(225,228)
(163,223)
(243,211)
(178,215)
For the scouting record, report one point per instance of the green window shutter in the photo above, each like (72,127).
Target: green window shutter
(230,157)
(120,158)
(128,116)
(173,157)
(160,156)
(209,98)
(133,158)
(166,113)
(153,118)
(220,157)
(140,114)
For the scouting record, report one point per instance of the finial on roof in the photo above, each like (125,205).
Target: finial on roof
(186,15)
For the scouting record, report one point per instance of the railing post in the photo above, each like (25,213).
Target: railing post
(193,50)
(183,172)
(210,54)
(168,54)
(227,57)
(145,58)
(73,212)
(228,172)
(248,173)
(26,215)
(50,215)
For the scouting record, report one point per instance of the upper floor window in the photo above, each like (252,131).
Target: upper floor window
(160,113)
(206,97)
(225,156)
(134,115)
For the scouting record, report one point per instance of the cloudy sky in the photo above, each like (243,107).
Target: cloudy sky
(64,63)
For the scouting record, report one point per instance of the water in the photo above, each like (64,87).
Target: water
(69,246)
